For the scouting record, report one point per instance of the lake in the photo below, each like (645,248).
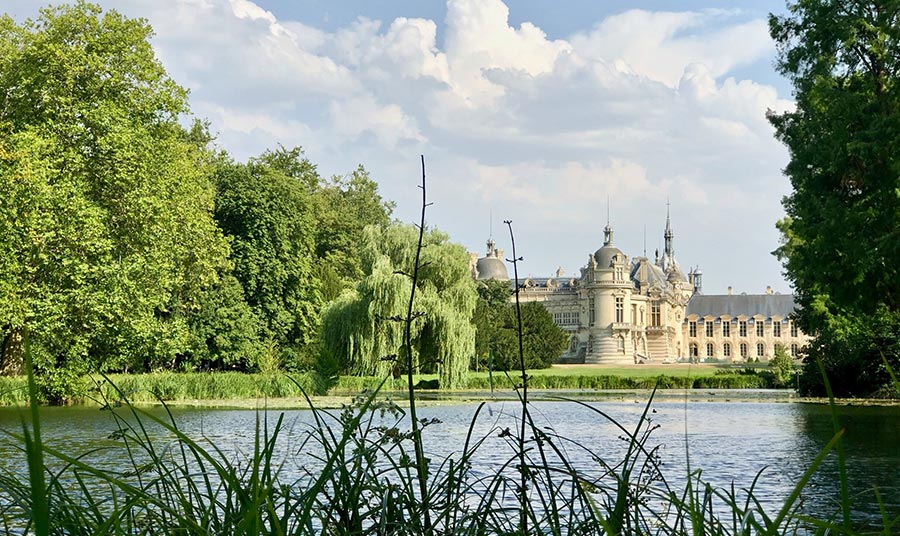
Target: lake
(730,441)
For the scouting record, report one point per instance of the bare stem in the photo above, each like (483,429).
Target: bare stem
(422,470)
(523,496)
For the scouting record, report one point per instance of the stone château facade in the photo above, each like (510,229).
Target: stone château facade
(625,311)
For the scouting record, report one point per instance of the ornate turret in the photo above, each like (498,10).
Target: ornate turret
(491,266)
(605,255)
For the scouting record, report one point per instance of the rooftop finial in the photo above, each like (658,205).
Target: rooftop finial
(491,248)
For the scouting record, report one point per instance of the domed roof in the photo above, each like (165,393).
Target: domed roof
(491,268)
(605,255)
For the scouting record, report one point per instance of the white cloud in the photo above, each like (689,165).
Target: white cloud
(659,45)
(639,107)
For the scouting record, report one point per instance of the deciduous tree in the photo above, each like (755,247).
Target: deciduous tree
(841,243)
(363,327)
(106,207)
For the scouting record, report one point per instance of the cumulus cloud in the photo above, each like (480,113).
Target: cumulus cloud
(638,107)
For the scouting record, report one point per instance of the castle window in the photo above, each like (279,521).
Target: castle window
(709,328)
(744,350)
(726,349)
(726,329)
(760,349)
(694,351)
(759,328)
(592,312)
(692,329)
(742,328)
(567,318)
(710,349)
(620,309)
(654,315)
(776,329)
(794,350)
(793,329)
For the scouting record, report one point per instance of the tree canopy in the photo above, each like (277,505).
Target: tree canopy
(840,240)
(106,210)
(264,209)
(363,328)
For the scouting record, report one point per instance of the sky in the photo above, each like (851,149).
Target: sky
(542,113)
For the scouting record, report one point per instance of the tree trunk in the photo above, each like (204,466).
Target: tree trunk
(12,358)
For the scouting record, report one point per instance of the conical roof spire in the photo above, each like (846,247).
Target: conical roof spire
(669,235)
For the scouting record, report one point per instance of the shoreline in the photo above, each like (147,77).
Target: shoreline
(436,398)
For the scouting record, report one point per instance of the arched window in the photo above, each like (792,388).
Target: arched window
(760,349)
(726,349)
(744,350)
(694,350)
(710,350)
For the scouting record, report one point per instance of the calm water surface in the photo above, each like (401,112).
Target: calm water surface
(730,441)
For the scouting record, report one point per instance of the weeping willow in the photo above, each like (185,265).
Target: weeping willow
(363,327)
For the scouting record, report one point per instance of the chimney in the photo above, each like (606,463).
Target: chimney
(729,291)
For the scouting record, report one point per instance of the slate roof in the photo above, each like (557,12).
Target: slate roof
(767,305)
(491,268)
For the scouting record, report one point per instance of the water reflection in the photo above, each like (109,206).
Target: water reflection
(731,441)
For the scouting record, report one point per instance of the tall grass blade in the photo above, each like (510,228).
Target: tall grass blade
(798,488)
(34,449)
(891,372)
(842,460)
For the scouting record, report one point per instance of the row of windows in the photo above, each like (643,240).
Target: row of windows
(743,348)
(742,329)
(567,318)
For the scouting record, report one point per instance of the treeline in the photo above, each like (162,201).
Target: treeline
(130,242)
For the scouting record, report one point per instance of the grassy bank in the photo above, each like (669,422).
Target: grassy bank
(172,386)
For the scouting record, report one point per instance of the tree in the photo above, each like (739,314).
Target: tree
(542,340)
(490,311)
(363,328)
(343,206)
(106,214)
(264,208)
(840,240)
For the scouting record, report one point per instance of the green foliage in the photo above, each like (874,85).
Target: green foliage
(854,350)
(363,328)
(490,311)
(782,367)
(224,332)
(542,340)
(343,207)
(106,217)
(263,207)
(839,241)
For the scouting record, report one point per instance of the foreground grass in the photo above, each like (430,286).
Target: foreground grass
(362,481)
